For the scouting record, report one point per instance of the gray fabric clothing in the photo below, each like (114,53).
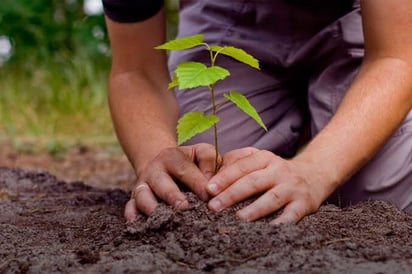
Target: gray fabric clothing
(310,52)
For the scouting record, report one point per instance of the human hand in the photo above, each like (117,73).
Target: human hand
(191,165)
(282,183)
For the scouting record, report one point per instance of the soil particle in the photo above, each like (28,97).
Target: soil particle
(87,256)
(48,225)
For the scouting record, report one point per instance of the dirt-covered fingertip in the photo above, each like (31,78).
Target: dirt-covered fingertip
(130,211)
(181,205)
(284,219)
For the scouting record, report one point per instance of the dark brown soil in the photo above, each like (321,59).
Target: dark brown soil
(48,225)
(104,167)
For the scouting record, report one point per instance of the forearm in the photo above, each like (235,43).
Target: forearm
(144,117)
(144,112)
(373,108)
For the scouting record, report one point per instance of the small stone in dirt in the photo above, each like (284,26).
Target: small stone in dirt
(86,256)
(4,195)
(173,249)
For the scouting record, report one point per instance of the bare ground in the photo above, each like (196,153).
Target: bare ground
(52,224)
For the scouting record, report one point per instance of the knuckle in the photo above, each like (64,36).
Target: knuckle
(181,170)
(265,154)
(243,167)
(296,215)
(249,150)
(230,197)
(166,154)
(305,194)
(255,186)
(274,195)
(205,146)
(283,167)
(254,182)
(172,197)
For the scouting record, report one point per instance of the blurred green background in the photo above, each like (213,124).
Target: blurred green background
(54,66)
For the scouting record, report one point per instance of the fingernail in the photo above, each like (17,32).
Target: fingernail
(130,220)
(242,215)
(215,205)
(212,187)
(177,204)
(181,204)
(276,223)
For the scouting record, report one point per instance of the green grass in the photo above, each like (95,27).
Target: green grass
(55,101)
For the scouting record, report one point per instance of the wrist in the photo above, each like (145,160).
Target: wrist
(317,174)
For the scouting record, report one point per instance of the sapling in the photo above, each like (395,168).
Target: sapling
(190,74)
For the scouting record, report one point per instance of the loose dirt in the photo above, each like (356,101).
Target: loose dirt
(50,226)
(104,167)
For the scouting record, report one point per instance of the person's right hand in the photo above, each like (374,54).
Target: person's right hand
(191,165)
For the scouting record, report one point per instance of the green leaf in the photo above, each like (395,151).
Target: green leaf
(194,74)
(174,82)
(237,54)
(193,123)
(243,103)
(186,42)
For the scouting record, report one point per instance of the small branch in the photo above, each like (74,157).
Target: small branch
(251,257)
(216,54)
(218,105)
(336,241)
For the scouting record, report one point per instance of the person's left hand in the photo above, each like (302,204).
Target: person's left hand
(283,184)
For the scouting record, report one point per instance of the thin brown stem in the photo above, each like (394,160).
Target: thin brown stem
(214,111)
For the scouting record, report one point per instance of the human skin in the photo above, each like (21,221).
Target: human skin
(377,102)
(145,113)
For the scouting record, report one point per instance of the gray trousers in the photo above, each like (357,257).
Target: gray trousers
(309,52)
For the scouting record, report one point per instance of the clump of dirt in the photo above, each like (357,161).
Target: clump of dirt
(48,225)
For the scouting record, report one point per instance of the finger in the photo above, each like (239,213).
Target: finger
(231,173)
(144,200)
(252,184)
(292,213)
(271,201)
(234,155)
(206,158)
(181,167)
(130,211)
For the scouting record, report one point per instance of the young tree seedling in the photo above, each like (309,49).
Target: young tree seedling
(190,74)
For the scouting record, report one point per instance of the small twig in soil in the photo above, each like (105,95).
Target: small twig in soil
(335,241)
(179,262)
(185,264)
(39,211)
(251,257)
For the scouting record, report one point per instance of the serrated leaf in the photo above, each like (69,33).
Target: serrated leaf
(174,82)
(193,123)
(243,103)
(237,54)
(194,74)
(186,42)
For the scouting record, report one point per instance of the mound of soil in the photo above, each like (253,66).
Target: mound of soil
(48,225)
